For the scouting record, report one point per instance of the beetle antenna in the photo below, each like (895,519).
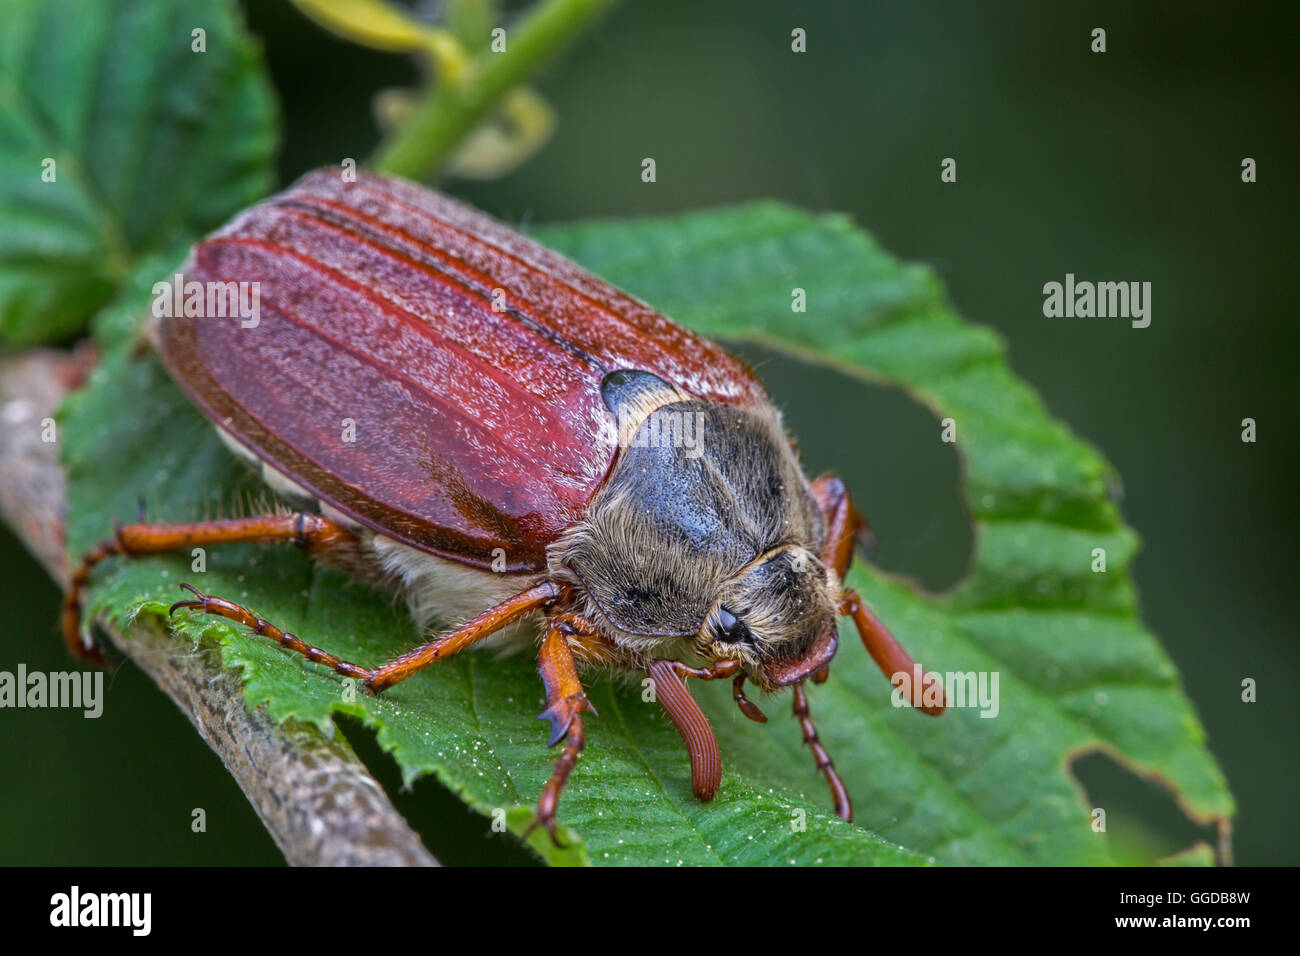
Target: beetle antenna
(685,713)
(747,706)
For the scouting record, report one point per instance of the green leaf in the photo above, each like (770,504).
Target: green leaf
(152,143)
(1077,670)
(1199,854)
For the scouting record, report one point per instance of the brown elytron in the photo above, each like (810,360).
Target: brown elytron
(523,438)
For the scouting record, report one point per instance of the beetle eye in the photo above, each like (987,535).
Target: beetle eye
(730,629)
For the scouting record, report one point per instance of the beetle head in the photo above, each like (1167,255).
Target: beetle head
(776,617)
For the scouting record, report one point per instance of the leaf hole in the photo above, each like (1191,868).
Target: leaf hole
(1144,823)
(887,447)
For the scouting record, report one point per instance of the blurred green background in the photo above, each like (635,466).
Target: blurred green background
(1115,166)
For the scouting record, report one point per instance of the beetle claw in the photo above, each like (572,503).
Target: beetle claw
(546,822)
(201,604)
(561,715)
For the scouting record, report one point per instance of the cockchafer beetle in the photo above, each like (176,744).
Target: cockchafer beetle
(529,440)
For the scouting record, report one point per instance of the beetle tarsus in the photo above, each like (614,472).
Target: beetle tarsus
(200,604)
(84,649)
(575,739)
(566,702)
(839,792)
(210,604)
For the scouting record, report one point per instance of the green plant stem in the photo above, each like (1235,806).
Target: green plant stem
(451,111)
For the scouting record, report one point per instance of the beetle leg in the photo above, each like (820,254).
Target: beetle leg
(889,655)
(400,668)
(841,520)
(565,703)
(220,607)
(843,524)
(132,540)
(832,497)
(489,622)
(839,792)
